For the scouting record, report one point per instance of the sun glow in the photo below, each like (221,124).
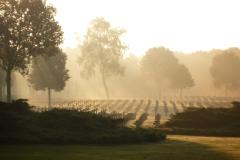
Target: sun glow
(186,25)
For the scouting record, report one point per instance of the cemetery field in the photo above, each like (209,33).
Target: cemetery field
(144,112)
(174,148)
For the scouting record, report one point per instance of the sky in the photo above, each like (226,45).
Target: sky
(181,25)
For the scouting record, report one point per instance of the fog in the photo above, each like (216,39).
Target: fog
(115,73)
(133,84)
(106,55)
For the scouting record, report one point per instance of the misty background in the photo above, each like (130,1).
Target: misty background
(133,84)
(178,28)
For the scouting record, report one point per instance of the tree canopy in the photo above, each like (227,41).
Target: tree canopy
(181,78)
(162,67)
(102,51)
(224,69)
(49,73)
(28,29)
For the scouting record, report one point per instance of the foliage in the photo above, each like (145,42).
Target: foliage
(19,105)
(181,77)
(206,118)
(162,67)
(19,124)
(206,121)
(27,27)
(102,50)
(49,72)
(223,69)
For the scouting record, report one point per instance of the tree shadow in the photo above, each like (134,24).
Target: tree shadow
(166,150)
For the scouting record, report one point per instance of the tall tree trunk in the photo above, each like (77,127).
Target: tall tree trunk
(105,85)
(49,98)
(8,81)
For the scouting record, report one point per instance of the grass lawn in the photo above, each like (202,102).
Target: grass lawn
(175,148)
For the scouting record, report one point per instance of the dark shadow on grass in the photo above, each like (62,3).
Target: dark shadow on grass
(195,151)
(167,150)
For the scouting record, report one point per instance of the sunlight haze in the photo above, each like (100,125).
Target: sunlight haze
(184,26)
(119,79)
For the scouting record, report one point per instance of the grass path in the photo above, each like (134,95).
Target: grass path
(175,148)
(227,145)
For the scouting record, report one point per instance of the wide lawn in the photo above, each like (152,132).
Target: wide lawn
(175,148)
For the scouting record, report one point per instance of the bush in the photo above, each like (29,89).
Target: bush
(206,121)
(61,126)
(205,118)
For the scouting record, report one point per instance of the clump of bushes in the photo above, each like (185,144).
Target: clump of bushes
(20,124)
(206,121)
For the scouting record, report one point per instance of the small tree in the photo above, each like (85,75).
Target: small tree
(181,78)
(224,69)
(27,28)
(162,67)
(102,50)
(157,65)
(49,73)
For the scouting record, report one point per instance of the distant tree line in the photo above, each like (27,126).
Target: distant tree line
(102,51)
(30,39)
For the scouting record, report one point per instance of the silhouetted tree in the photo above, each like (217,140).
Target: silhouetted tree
(158,64)
(224,69)
(49,73)
(27,28)
(181,78)
(163,68)
(102,50)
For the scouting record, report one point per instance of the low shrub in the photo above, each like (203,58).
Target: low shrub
(62,126)
(206,121)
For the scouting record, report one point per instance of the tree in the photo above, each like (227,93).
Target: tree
(102,50)
(224,69)
(27,29)
(162,67)
(49,73)
(181,78)
(156,65)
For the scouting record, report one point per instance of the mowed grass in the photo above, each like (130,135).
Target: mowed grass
(175,148)
(226,145)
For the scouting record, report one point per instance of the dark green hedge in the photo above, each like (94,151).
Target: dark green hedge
(19,124)
(206,121)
